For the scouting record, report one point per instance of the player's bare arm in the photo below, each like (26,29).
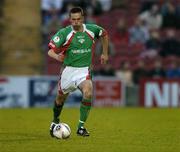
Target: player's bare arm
(58,57)
(104,55)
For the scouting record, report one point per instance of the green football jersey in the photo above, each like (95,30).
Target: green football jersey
(76,46)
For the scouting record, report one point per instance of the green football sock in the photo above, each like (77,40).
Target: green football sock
(57,111)
(84,111)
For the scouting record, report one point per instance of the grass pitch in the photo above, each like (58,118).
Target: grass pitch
(112,130)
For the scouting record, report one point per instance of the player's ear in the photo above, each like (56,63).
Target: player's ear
(82,18)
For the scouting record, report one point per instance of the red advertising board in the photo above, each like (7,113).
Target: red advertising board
(160,92)
(108,92)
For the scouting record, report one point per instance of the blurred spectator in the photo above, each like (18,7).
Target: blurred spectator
(138,33)
(49,6)
(125,73)
(152,17)
(170,17)
(97,7)
(153,45)
(173,70)
(98,48)
(65,14)
(158,70)
(84,4)
(154,42)
(139,72)
(147,5)
(178,63)
(52,25)
(178,15)
(50,28)
(121,34)
(170,45)
(106,70)
(66,3)
(106,5)
(89,18)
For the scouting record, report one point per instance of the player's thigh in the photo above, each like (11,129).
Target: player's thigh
(67,83)
(87,88)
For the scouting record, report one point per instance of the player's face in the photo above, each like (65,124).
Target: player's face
(76,20)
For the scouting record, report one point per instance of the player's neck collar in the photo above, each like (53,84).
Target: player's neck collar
(84,28)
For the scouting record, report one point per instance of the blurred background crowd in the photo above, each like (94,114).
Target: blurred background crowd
(144,37)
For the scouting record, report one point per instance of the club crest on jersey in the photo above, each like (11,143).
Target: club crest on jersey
(56,39)
(81,41)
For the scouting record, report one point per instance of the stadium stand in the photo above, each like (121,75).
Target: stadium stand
(1,28)
(24,45)
(127,12)
(21,38)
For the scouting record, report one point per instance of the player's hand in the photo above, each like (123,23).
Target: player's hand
(104,59)
(60,57)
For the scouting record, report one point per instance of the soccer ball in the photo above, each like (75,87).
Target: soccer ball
(62,131)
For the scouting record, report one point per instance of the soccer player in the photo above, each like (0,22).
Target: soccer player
(73,45)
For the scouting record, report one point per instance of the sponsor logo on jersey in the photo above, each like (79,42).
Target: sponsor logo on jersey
(81,41)
(81,51)
(56,39)
(80,36)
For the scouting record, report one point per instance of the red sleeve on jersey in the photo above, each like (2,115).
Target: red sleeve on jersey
(52,46)
(104,33)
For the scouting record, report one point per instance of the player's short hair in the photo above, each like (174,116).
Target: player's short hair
(76,10)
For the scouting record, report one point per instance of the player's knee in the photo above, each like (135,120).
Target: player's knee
(60,99)
(87,94)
